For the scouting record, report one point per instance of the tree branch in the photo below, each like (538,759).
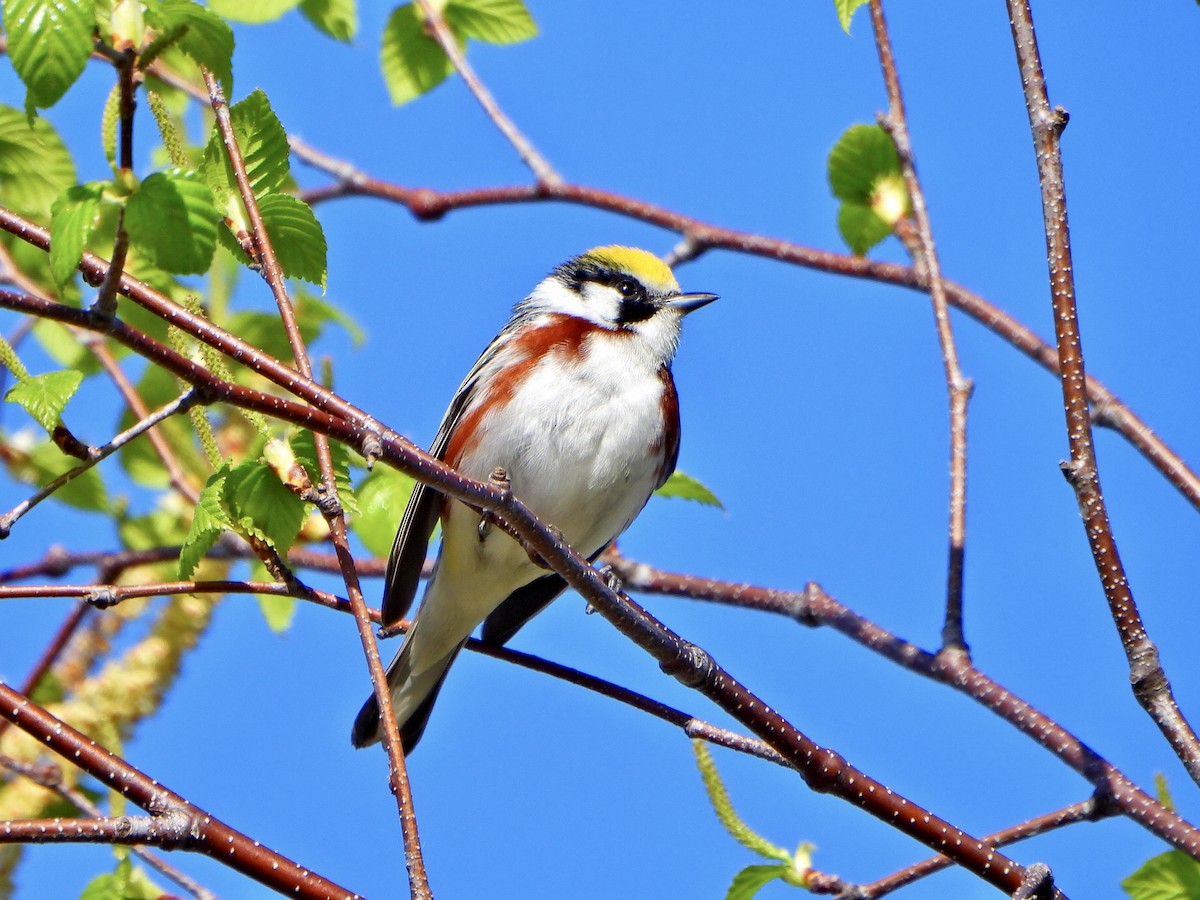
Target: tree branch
(1146,674)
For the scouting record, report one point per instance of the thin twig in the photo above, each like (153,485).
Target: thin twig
(1089,810)
(331,508)
(1146,674)
(180,404)
(437,28)
(958,388)
(106,298)
(164,451)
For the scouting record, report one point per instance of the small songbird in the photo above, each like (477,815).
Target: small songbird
(574,399)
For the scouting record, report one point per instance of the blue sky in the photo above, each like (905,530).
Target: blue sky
(814,406)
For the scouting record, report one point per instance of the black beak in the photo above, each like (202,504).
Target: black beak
(687,303)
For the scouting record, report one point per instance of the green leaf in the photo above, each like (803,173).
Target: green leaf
(381,500)
(128,882)
(296,235)
(205,37)
(279,611)
(254,12)
(171,218)
(685,487)
(860,226)
(861,156)
(49,42)
(44,397)
(209,521)
(72,219)
(1169,876)
(35,165)
(305,449)
(263,142)
(412,62)
(864,173)
(46,462)
(337,18)
(260,504)
(753,879)
(845,11)
(50,689)
(493,21)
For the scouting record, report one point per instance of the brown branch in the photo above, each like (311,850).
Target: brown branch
(329,504)
(199,831)
(824,883)
(958,388)
(180,404)
(106,595)
(50,776)
(1090,810)
(822,769)
(437,28)
(1146,674)
(133,400)
(427,204)
(814,607)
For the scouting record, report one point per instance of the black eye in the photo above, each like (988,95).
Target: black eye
(627,287)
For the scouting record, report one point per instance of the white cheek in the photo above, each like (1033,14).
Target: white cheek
(603,303)
(597,303)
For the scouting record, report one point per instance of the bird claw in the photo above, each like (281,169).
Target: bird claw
(611,578)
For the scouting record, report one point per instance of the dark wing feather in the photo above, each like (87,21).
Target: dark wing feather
(519,607)
(522,605)
(424,506)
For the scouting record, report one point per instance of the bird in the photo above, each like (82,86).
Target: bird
(575,401)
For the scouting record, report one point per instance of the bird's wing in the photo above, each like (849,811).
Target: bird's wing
(523,604)
(424,505)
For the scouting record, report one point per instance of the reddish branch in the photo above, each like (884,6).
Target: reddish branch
(814,607)
(428,204)
(1150,684)
(178,824)
(822,769)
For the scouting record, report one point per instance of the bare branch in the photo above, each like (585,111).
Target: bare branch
(440,32)
(202,832)
(180,404)
(427,204)
(1146,674)
(814,607)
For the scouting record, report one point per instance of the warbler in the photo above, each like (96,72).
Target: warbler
(574,399)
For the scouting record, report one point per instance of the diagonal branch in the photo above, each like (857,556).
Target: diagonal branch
(436,25)
(814,607)
(1146,674)
(180,404)
(203,833)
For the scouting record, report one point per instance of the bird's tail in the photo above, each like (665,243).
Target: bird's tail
(413,695)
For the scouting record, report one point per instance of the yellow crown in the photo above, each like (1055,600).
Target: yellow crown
(641,264)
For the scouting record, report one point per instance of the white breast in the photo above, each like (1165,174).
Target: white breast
(580,442)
